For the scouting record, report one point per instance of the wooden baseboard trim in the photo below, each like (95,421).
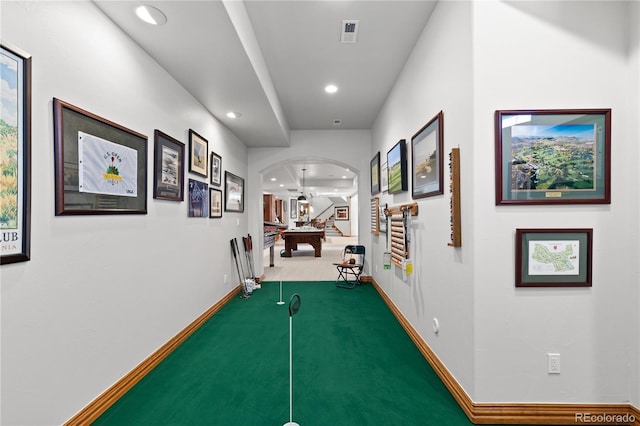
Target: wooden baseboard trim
(510,413)
(109,397)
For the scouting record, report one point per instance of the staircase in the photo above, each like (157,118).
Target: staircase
(330,230)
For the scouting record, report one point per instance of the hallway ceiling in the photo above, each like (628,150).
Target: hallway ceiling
(270,60)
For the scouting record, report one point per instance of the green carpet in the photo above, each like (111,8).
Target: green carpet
(353,364)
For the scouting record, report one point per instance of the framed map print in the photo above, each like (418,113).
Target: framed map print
(553,257)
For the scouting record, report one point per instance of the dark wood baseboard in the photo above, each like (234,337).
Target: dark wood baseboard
(510,413)
(109,397)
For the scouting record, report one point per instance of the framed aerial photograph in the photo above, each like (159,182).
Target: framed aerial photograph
(233,193)
(427,158)
(168,168)
(553,156)
(100,166)
(341,213)
(198,154)
(198,199)
(553,257)
(215,163)
(15,156)
(375,174)
(215,201)
(397,167)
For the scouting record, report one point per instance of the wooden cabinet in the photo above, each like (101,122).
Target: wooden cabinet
(272,208)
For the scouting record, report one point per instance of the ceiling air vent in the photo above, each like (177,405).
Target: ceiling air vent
(349,31)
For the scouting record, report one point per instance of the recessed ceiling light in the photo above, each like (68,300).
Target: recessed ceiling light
(331,88)
(273,179)
(151,15)
(344,177)
(232,114)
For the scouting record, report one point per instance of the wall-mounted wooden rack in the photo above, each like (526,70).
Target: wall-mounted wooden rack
(375,224)
(399,248)
(454,192)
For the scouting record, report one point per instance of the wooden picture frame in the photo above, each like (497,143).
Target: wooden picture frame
(215,163)
(557,156)
(215,203)
(397,167)
(198,199)
(427,146)
(554,257)
(100,166)
(341,213)
(233,193)
(375,174)
(168,168)
(198,154)
(15,156)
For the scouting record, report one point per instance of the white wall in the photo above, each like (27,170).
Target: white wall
(348,147)
(554,55)
(438,76)
(472,59)
(101,293)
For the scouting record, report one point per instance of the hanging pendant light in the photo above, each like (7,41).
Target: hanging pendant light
(302,198)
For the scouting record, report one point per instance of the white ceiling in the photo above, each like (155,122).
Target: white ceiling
(270,61)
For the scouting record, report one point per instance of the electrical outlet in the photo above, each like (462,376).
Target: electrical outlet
(225,278)
(553,363)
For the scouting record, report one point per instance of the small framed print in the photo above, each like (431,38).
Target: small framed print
(553,156)
(198,154)
(198,199)
(215,201)
(375,174)
(216,169)
(168,168)
(341,213)
(553,257)
(384,177)
(233,193)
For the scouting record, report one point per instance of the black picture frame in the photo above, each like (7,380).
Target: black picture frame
(554,257)
(341,213)
(75,127)
(168,167)
(198,199)
(215,203)
(215,163)
(198,154)
(555,156)
(375,174)
(427,157)
(233,193)
(397,167)
(15,217)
